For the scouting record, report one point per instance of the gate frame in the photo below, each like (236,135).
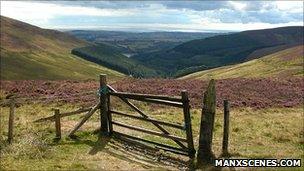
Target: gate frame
(106,91)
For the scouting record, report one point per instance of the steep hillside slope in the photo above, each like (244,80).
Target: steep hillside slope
(29,52)
(111,57)
(285,63)
(223,49)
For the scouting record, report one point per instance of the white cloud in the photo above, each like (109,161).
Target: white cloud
(38,12)
(228,15)
(247,26)
(290,6)
(238,5)
(198,27)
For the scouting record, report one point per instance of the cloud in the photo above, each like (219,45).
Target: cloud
(156,15)
(42,12)
(195,5)
(201,27)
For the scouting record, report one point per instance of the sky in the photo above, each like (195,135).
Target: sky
(142,16)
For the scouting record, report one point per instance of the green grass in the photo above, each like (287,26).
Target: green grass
(263,133)
(29,52)
(48,66)
(284,63)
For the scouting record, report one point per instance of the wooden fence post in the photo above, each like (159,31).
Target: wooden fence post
(57,124)
(187,118)
(226,129)
(109,116)
(205,154)
(104,126)
(11,121)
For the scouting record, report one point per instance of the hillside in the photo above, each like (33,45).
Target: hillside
(285,63)
(29,52)
(222,50)
(111,57)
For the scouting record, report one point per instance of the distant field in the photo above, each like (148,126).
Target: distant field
(285,63)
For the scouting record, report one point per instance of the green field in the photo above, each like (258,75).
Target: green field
(29,52)
(284,63)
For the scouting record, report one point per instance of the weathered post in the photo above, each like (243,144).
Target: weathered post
(205,154)
(57,123)
(104,127)
(109,116)
(226,129)
(11,120)
(188,127)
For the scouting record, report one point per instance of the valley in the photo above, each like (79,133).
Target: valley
(110,56)
(177,55)
(139,42)
(131,43)
(220,50)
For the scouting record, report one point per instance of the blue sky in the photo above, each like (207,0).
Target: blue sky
(156,15)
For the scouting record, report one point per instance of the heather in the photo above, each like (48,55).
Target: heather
(250,92)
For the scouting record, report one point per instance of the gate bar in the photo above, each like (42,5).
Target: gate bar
(148,120)
(150,132)
(144,99)
(149,96)
(167,147)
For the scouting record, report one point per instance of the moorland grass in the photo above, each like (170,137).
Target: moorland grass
(263,133)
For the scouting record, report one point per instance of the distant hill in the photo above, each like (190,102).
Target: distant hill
(111,57)
(101,35)
(139,42)
(30,52)
(285,63)
(221,50)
